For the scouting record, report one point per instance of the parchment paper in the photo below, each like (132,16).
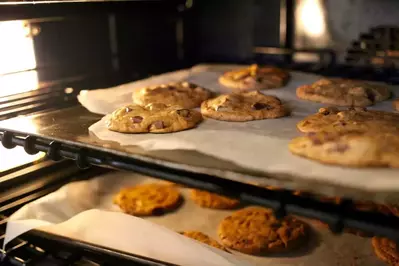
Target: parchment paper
(256,145)
(84,210)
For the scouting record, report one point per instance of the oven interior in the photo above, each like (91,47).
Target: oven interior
(49,51)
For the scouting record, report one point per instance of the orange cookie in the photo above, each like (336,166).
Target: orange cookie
(243,106)
(344,92)
(386,250)
(148,199)
(254,77)
(212,200)
(255,230)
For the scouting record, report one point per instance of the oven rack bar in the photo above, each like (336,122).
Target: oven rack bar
(337,216)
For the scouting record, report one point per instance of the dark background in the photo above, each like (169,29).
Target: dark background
(132,42)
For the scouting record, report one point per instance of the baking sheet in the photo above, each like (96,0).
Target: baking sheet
(256,145)
(93,218)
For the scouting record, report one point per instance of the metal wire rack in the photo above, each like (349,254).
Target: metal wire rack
(337,216)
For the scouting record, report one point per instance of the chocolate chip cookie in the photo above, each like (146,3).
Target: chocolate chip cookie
(184,94)
(255,230)
(203,238)
(148,199)
(352,149)
(255,78)
(153,118)
(344,92)
(212,200)
(353,119)
(386,250)
(244,106)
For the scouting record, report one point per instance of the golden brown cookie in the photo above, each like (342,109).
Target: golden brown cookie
(255,230)
(148,199)
(386,250)
(352,119)
(244,106)
(396,104)
(153,118)
(344,92)
(203,238)
(255,77)
(211,200)
(352,149)
(184,94)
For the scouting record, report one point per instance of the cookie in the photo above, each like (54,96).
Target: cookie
(396,104)
(386,250)
(244,106)
(184,94)
(148,199)
(255,230)
(203,238)
(352,149)
(212,200)
(352,119)
(254,77)
(344,92)
(153,118)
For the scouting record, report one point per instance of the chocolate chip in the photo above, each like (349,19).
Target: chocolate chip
(259,79)
(128,109)
(158,124)
(136,119)
(260,106)
(325,112)
(171,87)
(316,141)
(342,147)
(183,112)
(370,95)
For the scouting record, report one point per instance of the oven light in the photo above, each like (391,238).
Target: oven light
(312,18)
(17,58)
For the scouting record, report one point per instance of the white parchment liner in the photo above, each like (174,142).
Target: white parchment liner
(84,211)
(256,145)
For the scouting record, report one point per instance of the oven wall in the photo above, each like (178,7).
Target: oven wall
(343,21)
(229,29)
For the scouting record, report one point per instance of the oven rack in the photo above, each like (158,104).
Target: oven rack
(337,216)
